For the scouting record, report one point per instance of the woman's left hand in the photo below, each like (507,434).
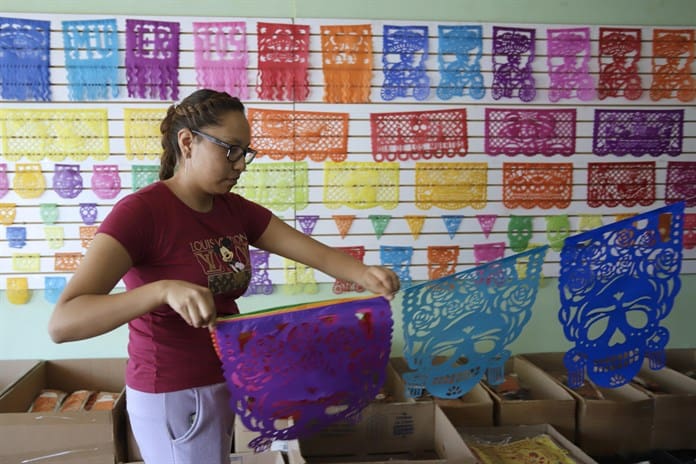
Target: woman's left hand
(380,280)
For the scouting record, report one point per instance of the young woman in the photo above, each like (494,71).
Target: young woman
(181,246)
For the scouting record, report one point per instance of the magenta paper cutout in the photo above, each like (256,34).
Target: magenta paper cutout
(620,184)
(221,56)
(681,182)
(283,61)
(638,132)
(260,280)
(67,180)
(619,54)
(486,221)
(317,364)
(568,58)
(307,223)
(530,132)
(689,238)
(342,286)
(4,180)
(152,59)
(487,252)
(106,183)
(513,54)
(452,223)
(418,134)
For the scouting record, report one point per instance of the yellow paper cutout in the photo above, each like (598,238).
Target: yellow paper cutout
(299,278)
(29,181)
(54,236)
(415,224)
(17,290)
(589,222)
(451,185)
(8,212)
(343,223)
(361,185)
(26,262)
(277,186)
(522,264)
(56,134)
(141,129)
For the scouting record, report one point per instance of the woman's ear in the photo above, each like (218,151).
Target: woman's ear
(185,140)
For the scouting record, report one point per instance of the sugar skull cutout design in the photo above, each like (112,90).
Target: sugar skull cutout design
(617,283)
(457,328)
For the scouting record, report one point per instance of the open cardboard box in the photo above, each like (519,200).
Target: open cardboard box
(267,457)
(96,437)
(392,391)
(682,360)
(618,424)
(548,402)
(474,409)
(393,433)
(511,433)
(674,405)
(11,370)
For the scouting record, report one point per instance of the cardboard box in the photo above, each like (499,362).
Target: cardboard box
(518,432)
(474,409)
(12,370)
(397,433)
(392,391)
(618,424)
(548,402)
(267,457)
(682,360)
(97,437)
(674,402)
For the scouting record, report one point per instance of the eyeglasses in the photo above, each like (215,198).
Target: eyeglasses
(234,152)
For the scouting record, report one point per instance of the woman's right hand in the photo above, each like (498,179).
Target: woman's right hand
(194,303)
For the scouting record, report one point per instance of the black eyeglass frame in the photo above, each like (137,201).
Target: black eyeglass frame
(247,154)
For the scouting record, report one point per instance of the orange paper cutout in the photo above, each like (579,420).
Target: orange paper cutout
(673,55)
(67,261)
(543,185)
(86,235)
(299,134)
(343,223)
(347,63)
(442,261)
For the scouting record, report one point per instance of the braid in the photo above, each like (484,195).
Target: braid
(202,108)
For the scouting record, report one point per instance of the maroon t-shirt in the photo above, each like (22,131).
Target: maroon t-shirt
(168,240)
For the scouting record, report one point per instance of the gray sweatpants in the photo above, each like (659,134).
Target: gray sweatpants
(190,426)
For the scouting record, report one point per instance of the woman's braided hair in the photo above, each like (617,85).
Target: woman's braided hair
(202,108)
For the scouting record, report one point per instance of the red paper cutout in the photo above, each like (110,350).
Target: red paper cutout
(543,185)
(283,61)
(625,184)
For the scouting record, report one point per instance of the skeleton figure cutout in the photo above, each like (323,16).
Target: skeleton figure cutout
(617,283)
(457,328)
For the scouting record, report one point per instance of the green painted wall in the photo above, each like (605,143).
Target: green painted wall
(23,328)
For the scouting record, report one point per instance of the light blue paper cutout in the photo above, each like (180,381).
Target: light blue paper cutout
(91,58)
(398,259)
(457,328)
(459,55)
(617,283)
(452,223)
(53,288)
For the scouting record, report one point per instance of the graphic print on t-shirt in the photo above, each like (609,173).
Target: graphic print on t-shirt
(225,262)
